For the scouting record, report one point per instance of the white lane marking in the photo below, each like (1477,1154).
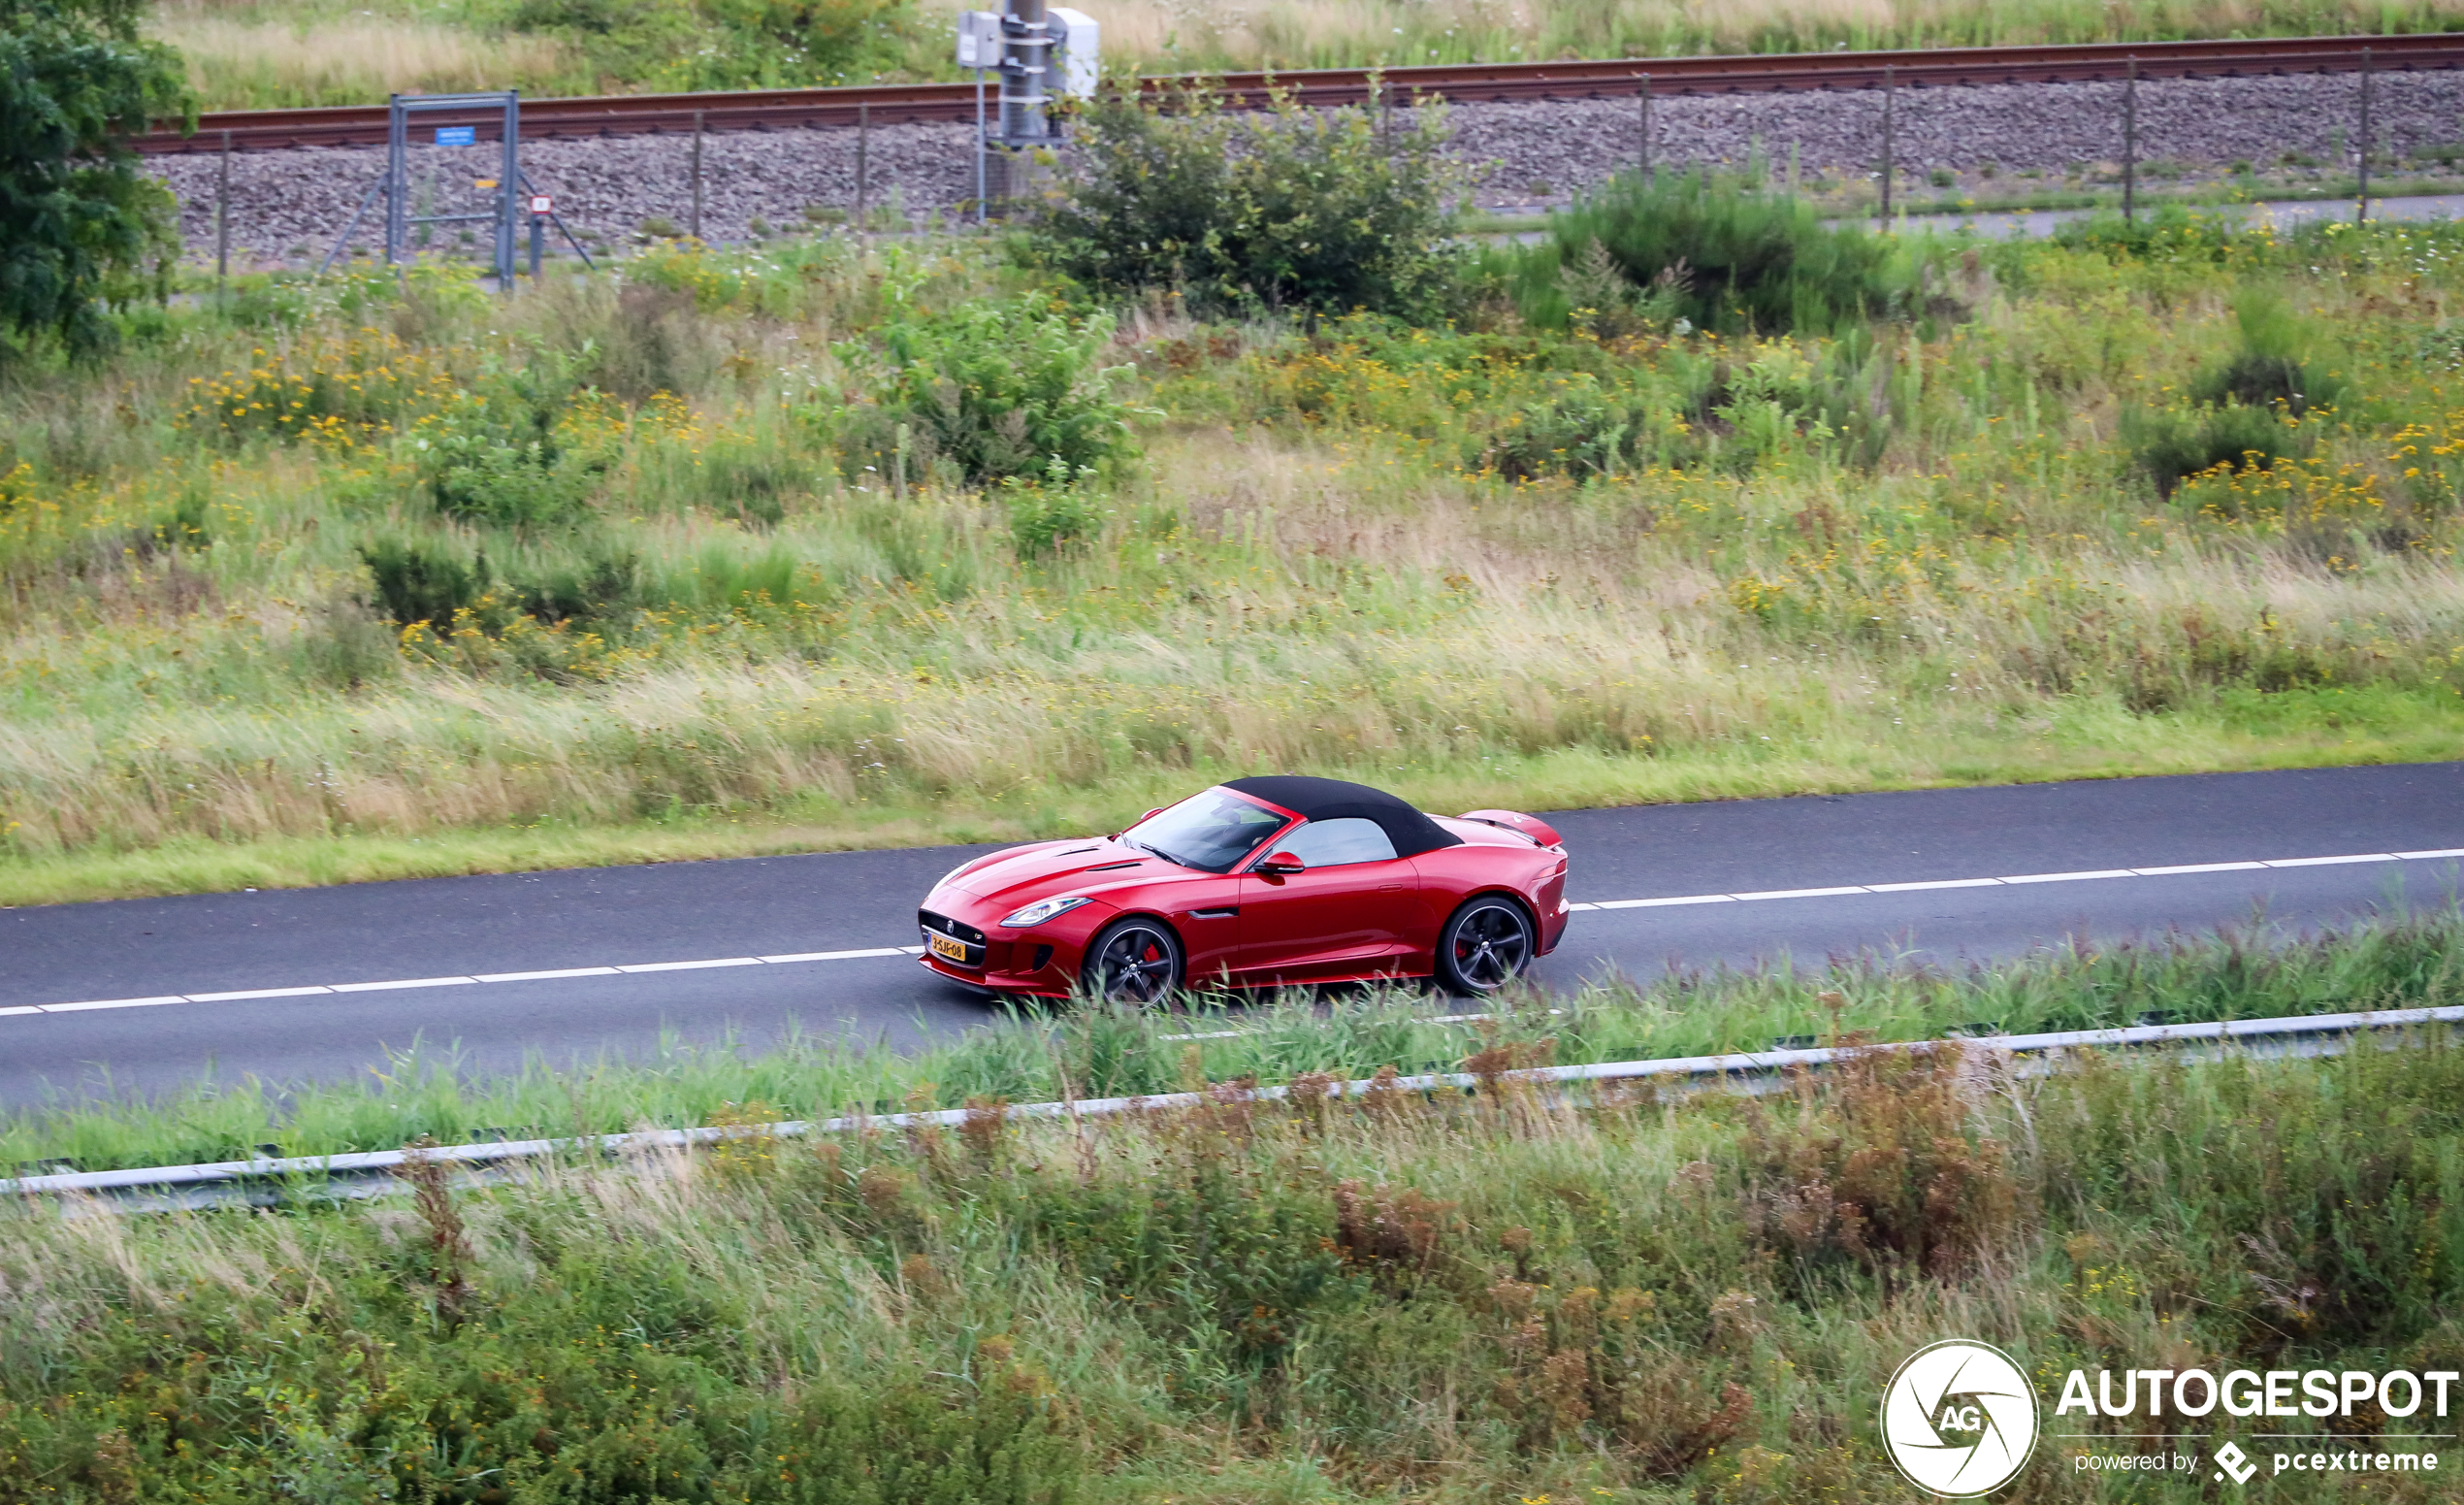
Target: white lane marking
(71,1008)
(1578,908)
(255,993)
(407,982)
(861,953)
(1800,893)
(548,976)
(835,956)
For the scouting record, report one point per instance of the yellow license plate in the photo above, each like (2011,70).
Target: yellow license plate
(943,946)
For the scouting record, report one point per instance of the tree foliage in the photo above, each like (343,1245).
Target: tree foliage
(78,221)
(1292,208)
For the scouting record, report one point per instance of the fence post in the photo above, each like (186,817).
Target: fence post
(695,225)
(2130,144)
(1645,109)
(1887,170)
(222,225)
(2361,208)
(863,145)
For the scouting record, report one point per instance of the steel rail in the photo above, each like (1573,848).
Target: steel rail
(272,1179)
(898,104)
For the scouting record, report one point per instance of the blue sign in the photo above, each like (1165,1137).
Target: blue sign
(457,135)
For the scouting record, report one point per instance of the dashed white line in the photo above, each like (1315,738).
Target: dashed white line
(73,1008)
(1801,892)
(407,982)
(865,952)
(550,976)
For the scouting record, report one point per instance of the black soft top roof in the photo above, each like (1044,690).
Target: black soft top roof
(1332,799)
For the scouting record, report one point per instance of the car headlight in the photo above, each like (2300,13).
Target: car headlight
(1042,910)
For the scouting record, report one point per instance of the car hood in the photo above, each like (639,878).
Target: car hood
(1023,874)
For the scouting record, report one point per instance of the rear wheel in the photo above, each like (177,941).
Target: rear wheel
(1132,960)
(1485,945)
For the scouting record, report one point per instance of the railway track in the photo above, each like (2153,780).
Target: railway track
(892,104)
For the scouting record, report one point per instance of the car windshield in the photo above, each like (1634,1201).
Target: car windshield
(1208,831)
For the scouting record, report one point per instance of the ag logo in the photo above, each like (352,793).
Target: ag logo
(1959,1419)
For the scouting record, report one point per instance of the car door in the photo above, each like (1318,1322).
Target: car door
(1340,917)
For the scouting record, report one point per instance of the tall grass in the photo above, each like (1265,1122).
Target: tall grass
(1623,1298)
(251,54)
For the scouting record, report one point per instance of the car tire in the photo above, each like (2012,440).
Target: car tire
(1485,945)
(1136,960)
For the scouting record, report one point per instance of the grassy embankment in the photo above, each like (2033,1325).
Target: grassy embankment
(248,55)
(712,601)
(1628,1297)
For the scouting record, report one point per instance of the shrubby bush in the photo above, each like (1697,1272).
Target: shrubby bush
(1719,253)
(997,390)
(2239,409)
(1288,208)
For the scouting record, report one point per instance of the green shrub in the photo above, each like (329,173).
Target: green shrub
(1724,255)
(497,456)
(422,582)
(2171,444)
(1003,389)
(1049,515)
(2268,370)
(1315,209)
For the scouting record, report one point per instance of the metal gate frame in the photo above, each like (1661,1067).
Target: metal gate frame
(394,187)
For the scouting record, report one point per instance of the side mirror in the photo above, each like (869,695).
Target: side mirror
(1281,862)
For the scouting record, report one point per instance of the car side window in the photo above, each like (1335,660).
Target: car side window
(1335,842)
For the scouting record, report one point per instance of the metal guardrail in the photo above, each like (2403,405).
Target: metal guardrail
(372,1172)
(893,104)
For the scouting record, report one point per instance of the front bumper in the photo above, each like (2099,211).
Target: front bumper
(1036,962)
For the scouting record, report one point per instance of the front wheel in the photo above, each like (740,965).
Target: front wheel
(1485,945)
(1133,961)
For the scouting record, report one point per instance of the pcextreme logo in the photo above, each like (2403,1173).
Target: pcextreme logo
(1959,1419)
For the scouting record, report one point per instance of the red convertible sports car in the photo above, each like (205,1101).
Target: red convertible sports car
(1256,883)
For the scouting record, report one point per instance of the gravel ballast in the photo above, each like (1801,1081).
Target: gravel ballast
(287,207)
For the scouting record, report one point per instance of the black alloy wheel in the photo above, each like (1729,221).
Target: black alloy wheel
(1485,946)
(1133,961)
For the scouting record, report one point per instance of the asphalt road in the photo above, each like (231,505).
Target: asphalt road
(362,969)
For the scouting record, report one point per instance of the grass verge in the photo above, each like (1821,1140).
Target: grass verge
(1445,1298)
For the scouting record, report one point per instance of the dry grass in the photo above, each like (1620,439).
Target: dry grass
(1160,35)
(253,60)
